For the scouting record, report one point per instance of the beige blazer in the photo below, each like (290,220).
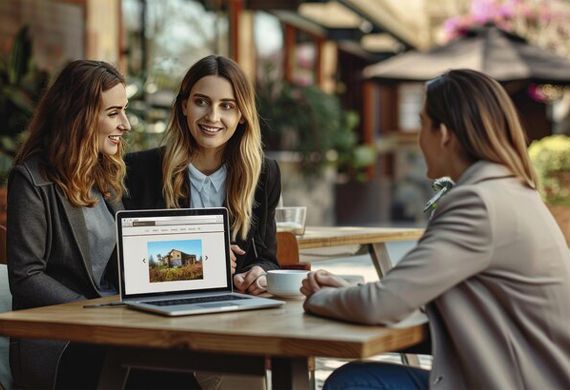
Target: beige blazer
(494,271)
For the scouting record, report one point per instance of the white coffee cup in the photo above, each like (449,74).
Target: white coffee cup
(285,283)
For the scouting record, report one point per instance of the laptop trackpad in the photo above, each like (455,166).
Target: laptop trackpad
(218,304)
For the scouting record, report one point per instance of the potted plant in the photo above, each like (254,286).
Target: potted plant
(551,159)
(353,159)
(311,136)
(357,195)
(21,85)
(304,120)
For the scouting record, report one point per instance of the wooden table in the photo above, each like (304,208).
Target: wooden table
(371,240)
(236,342)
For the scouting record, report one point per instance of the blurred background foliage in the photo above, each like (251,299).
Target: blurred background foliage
(551,159)
(311,122)
(21,87)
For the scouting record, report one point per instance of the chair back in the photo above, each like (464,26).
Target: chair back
(288,252)
(5,305)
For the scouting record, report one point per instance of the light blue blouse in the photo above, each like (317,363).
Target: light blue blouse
(207,190)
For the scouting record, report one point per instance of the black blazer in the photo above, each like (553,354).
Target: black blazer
(144,184)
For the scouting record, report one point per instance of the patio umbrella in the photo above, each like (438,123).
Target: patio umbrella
(503,56)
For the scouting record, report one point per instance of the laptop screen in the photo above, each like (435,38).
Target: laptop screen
(173,251)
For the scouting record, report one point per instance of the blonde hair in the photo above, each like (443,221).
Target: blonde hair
(242,154)
(63,134)
(479,112)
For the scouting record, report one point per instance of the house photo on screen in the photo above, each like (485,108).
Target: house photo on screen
(170,261)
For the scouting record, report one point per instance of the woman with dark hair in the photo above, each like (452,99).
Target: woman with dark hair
(213,157)
(63,192)
(492,268)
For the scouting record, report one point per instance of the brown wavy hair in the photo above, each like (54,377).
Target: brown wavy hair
(480,113)
(242,154)
(63,134)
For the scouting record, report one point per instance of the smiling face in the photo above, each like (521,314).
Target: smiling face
(112,122)
(212,113)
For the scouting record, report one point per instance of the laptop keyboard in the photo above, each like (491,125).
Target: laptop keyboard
(187,301)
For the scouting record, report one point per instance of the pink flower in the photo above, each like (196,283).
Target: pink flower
(457,26)
(536,93)
(484,11)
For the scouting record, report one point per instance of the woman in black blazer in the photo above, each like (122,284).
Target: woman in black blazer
(213,157)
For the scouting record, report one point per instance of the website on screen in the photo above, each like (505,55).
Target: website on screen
(181,253)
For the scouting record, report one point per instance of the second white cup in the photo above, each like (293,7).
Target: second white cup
(285,283)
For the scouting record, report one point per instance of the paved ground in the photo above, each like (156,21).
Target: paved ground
(340,261)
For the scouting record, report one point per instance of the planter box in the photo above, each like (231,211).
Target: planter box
(365,204)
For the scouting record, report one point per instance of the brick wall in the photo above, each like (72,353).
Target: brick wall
(57,29)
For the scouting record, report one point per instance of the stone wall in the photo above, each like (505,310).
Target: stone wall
(317,192)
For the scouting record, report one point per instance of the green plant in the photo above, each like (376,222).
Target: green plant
(148,121)
(551,159)
(353,158)
(311,122)
(21,86)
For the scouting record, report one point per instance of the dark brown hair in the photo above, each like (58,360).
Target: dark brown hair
(480,113)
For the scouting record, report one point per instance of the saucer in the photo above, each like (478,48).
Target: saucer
(287,294)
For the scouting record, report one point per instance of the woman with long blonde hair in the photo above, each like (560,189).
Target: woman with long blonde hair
(492,268)
(63,192)
(213,157)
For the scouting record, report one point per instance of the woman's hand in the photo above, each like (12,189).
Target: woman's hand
(235,249)
(245,282)
(318,279)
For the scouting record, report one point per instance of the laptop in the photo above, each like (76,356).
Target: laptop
(177,262)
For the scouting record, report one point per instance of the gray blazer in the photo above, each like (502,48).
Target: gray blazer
(48,263)
(494,271)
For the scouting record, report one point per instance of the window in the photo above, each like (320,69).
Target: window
(411,96)
(164,38)
(268,36)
